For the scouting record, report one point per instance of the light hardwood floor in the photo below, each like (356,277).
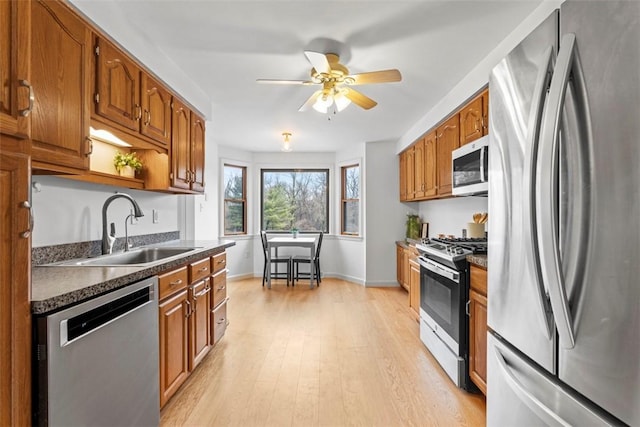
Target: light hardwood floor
(338,355)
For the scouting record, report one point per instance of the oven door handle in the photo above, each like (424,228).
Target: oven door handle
(439,270)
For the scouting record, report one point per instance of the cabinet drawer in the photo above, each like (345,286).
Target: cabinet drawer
(199,269)
(478,280)
(172,282)
(219,322)
(219,289)
(219,262)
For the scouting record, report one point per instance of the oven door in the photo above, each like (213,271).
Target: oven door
(440,297)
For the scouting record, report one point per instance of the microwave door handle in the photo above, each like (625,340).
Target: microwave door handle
(531,152)
(482,154)
(568,68)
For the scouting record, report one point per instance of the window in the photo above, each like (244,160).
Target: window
(350,210)
(295,198)
(235,199)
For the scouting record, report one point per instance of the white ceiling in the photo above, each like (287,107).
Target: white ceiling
(224,46)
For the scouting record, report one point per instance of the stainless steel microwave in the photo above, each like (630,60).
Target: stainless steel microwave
(470,168)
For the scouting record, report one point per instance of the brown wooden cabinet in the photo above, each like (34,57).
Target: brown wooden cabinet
(403,176)
(15,84)
(474,118)
(15,284)
(414,287)
(187,149)
(402,264)
(129,98)
(192,299)
(447,140)
(60,63)
(430,168)
(478,327)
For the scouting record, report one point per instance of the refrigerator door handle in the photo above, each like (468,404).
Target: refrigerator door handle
(567,68)
(540,409)
(531,155)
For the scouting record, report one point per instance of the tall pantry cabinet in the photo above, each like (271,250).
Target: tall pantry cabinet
(15,221)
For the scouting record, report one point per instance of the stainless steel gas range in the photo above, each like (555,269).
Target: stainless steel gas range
(444,293)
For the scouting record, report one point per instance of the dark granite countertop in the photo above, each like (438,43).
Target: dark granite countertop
(53,288)
(479,260)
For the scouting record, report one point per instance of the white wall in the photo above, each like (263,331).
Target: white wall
(206,207)
(450,216)
(385,214)
(69,211)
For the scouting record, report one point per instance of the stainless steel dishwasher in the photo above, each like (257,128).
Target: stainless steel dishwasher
(97,362)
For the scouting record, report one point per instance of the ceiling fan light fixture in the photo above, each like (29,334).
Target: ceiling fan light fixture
(323,102)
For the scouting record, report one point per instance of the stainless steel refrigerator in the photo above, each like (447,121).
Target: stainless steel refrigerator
(564,222)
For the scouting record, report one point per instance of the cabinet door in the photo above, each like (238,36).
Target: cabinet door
(200,322)
(14,68)
(15,270)
(174,344)
(485,112)
(448,136)
(472,121)
(430,166)
(418,170)
(180,146)
(118,83)
(399,264)
(411,173)
(156,110)
(402,166)
(197,153)
(60,66)
(219,321)
(414,287)
(478,339)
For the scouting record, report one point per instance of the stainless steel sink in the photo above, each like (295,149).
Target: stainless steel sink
(134,257)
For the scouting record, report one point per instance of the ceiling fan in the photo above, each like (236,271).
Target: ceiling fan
(335,80)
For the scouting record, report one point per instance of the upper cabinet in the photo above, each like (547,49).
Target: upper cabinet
(16,92)
(447,140)
(60,78)
(187,149)
(425,166)
(128,98)
(474,119)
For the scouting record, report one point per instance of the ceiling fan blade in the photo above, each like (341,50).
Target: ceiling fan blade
(309,102)
(286,82)
(359,99)
(383,76)
(319,61)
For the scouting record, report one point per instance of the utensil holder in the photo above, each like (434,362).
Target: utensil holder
(475,230)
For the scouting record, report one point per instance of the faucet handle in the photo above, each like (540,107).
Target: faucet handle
(113,230)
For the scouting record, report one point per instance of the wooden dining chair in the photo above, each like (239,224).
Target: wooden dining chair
(275,261)
(300,259)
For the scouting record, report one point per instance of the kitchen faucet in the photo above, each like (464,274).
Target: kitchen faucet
(109,239)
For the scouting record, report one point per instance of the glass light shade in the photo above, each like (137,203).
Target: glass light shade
(341,101)
(286,146)
(323,103)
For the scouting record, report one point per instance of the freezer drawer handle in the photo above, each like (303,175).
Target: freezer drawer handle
(532,402)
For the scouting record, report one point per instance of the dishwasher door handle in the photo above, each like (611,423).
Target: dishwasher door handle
(75,327)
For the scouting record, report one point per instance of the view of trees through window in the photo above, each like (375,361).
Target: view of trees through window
(351,199)
(295,199)
(234,199)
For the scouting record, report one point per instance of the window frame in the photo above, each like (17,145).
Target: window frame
(243,200)
(326,171)
(344,200)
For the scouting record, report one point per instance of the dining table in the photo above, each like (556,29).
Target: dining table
(291,241)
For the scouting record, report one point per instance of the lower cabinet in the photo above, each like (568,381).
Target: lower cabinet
(478,327)
(414,287)
(192,315)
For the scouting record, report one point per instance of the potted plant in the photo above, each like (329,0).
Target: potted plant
(413,226)
(127,164)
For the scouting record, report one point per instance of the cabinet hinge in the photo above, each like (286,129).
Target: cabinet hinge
(41,352)
(97,50)
(97,98)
